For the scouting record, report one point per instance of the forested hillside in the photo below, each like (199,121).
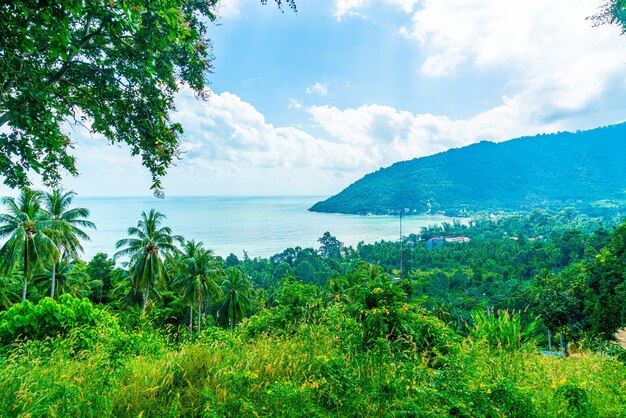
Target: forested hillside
(545,170)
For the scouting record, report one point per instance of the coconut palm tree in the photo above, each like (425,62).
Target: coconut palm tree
(197,276)
(9,289)
(29,243)
(144,246)
(237,292)
(71,277)
(65,225)
(337,287)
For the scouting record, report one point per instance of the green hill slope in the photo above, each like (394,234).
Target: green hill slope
(544,170)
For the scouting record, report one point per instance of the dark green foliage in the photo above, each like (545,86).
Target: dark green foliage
(331,247)
(100,268)
(606,281)
(50,318)
(295,304)
(547,170)
(115,64)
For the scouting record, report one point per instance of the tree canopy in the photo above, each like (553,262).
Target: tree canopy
(112,66)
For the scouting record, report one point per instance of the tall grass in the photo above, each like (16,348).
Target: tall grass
(314,372)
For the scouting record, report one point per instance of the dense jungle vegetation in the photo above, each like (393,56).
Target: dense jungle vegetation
(171,329)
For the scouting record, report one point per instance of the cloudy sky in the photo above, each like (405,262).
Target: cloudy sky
(308,103)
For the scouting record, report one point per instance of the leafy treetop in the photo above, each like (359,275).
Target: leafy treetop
(113,66)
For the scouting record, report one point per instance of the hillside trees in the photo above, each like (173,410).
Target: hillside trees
(27,229)
(606,281)
(113,66)
(144,246)
(65,223)
(238,291)
(197,278)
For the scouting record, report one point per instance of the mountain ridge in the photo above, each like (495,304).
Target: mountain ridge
(519,174)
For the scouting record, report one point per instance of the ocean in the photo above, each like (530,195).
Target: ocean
(262,226)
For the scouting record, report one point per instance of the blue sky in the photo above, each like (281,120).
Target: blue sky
(308,103)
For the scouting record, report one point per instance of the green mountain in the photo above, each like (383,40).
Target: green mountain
(540,171)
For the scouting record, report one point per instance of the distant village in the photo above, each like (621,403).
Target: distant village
(436,242)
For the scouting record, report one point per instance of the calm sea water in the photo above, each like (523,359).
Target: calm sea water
(262,226)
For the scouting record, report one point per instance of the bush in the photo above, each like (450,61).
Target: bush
(50,318)
(502,330)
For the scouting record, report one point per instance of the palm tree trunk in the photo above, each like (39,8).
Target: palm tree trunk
(24,289)
(25,271)
(549,341)
(191,321)
(145,298)
(232,320)
(54,282)
(199,310)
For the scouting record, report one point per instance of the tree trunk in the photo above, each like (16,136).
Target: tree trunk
(145,298)
(549,340)
(24,289)
(199,311)
(54,282)
(191,321)
(564,344)
(25,270)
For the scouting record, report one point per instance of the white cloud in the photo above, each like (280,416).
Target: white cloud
(390,135)
(406,6)
(294,104)
(352,7)
(318,88)
(548,47)
(549,51)
(347,7)
(227,129)
(229,9)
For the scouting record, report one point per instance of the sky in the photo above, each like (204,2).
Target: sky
(307,103)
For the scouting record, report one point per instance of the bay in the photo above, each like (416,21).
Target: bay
(260,225)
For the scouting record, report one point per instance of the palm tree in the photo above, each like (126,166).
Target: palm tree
(363,273)
(65,224)
(338,289)
(26,226)
(71,277)
(196,277)
(143,246)
(9,289)
(237,292)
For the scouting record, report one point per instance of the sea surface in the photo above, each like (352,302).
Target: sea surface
(262,226)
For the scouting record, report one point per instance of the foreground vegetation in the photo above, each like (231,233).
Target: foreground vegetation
(311,368)
(517,322)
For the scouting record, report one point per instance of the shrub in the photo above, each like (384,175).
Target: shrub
(502,330)
(50,318)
